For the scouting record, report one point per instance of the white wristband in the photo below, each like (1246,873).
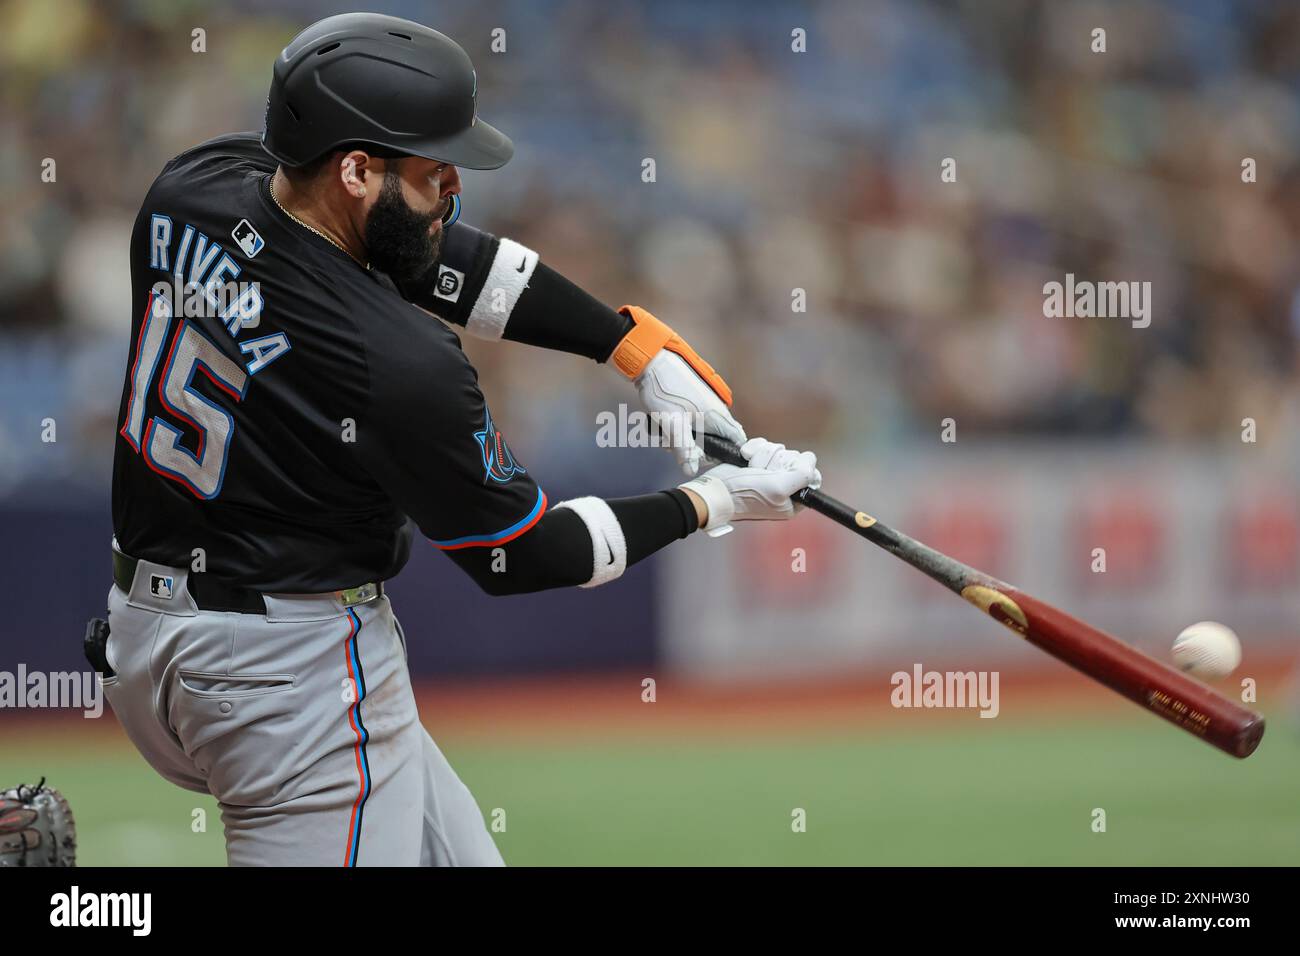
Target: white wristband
(608,546)
(718,500)
(506,281)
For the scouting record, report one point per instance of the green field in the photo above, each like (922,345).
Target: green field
(945,796)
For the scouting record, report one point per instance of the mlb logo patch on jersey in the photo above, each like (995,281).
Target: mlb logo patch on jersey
(449,283)
(248,238)
(160,585)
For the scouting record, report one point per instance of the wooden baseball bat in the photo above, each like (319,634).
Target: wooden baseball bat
(1169,693)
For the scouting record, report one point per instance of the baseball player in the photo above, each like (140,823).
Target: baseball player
(292,414)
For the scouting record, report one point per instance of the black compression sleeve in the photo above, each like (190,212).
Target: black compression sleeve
(651,521)
(557,552)
(553,313)
(477,275)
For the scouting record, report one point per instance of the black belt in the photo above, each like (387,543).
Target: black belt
(212,594)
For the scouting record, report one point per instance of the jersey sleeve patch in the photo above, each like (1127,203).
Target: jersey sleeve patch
(498,464)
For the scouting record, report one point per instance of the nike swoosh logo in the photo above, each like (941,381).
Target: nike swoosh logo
(522,265)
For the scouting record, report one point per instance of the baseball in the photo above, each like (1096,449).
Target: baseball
(1207,649)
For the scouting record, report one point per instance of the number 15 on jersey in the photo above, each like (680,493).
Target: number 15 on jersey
(200,472)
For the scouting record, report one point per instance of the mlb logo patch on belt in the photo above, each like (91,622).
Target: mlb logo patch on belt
(160,585)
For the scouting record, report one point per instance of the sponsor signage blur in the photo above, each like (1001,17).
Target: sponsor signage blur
(1140,543)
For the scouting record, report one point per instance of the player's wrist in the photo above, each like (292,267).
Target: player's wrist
(700,505)
(715,498)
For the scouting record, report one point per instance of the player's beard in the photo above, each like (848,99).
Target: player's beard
(397,237)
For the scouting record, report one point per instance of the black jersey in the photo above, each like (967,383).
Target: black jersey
(285,410)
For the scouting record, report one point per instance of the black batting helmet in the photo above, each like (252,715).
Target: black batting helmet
(389,85)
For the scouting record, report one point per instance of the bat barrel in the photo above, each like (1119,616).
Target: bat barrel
(1166,692)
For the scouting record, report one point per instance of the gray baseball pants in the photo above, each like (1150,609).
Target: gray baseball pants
(301,723)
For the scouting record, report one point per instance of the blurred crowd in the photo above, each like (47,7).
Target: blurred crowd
(774,171)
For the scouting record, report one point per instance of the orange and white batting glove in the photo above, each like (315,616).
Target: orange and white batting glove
(681,391)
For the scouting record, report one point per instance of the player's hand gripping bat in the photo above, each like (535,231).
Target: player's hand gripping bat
(1177,698)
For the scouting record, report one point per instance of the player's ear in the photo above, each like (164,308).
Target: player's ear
(356,167)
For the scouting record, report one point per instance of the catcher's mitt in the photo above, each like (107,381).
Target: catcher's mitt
(36,827)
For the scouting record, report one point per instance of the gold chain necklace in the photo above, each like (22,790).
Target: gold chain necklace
(310,228)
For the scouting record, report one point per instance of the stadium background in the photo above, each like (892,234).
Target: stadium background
(775,170)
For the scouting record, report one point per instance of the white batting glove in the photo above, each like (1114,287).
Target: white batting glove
(759,492)
(682,391)
(686,404)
